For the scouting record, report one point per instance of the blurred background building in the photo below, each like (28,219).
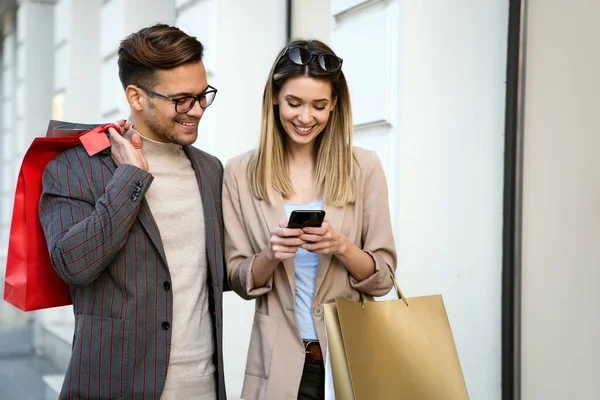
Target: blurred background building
(427,81)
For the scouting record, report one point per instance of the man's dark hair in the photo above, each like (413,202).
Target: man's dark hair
(153,48)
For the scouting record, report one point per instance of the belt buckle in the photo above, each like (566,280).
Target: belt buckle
(306,344)
(309,354)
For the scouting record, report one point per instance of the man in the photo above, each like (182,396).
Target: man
(137,233)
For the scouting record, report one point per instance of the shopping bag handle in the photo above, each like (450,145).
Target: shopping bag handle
(400,294)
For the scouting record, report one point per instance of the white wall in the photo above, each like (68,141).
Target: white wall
(247,49)
(561,198)
(367,35)
(450,182)
(312,19)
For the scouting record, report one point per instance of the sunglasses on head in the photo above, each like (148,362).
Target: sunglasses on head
(328,62)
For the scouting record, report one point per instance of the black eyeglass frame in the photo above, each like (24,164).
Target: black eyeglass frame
(209,89)
(320,58)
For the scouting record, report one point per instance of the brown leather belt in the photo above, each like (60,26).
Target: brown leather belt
(313,351)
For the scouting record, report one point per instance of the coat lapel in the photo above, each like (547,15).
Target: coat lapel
(147,220)
(214,250)
(144,215)
(273,214)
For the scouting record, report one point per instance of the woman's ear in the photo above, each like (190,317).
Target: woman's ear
(333,103)
(134,97)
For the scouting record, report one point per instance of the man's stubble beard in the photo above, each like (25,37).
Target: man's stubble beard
(162,131)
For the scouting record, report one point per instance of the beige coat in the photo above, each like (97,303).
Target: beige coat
(276,353)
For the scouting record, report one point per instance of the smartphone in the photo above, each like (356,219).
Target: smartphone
(306,218)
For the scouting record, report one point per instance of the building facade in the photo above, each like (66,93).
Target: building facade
(427,86)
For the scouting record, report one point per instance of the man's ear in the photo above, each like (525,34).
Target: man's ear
(134,97)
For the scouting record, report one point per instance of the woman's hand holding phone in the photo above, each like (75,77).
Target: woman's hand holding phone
(323,240)
(318,235)
(284,243)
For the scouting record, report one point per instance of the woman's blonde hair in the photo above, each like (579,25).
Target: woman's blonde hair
(334,176)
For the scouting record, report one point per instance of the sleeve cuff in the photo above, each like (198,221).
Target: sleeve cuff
(379,283)
(251,291)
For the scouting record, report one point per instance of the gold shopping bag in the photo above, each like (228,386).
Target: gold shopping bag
(337,365)
(393,349)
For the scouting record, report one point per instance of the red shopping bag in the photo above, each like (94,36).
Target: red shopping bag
(31,282)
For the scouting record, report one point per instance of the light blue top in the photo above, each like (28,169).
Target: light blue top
(305,270)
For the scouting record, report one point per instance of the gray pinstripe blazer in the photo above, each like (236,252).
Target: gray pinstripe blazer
(104,242)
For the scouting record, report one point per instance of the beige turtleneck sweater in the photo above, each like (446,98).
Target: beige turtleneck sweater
(176,205)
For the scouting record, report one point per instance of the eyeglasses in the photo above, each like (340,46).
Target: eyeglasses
(301,56)
(185,104)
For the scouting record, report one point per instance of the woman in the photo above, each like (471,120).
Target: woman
(305,161)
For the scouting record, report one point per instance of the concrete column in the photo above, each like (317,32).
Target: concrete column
(77,61)
(9,159)
(35,51)
(33,89)
(7,176)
